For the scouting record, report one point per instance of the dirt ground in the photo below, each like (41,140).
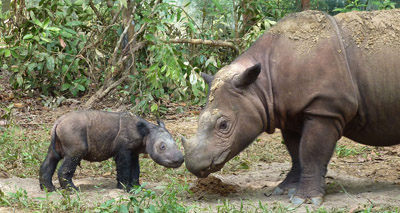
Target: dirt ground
(372,179)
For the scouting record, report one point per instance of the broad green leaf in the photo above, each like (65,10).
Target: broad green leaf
(80,87)
(45,39)
(46,23)
(154,107)
(79,2)
(14,54)
(191,26)
(28,36)
(37,22)
(193,78)
(7,53)
(65,86)
(54,29)
(73,23)
(69,30)
(50,63)
(32,66)
(124,209)
(66,34)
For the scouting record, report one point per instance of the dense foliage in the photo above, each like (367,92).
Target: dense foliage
(73,48)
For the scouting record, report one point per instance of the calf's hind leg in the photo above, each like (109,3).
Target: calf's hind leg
(47,169)
(66,172)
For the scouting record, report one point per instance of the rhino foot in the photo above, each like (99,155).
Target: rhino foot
(317,201)
(297,201)
(291,192)
(280,191)
(49,188)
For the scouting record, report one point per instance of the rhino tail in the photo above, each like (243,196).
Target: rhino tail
(54,141)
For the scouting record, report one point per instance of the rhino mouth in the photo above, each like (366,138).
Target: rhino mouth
(216,164)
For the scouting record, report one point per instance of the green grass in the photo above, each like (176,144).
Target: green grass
(23,150)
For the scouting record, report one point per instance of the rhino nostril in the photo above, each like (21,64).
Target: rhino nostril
(178,160)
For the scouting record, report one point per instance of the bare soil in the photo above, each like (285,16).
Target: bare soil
(354,182)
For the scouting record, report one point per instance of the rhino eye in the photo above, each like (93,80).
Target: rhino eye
(163,146)
(223,125)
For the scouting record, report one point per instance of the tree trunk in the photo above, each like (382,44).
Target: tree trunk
(305,5)
(247,16)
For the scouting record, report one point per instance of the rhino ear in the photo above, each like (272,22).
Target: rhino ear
(142,128)
(207,78)
(248,77)
(161,123)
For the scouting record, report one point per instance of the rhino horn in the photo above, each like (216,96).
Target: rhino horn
(186,143)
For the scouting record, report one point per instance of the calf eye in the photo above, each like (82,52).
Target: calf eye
(162,146)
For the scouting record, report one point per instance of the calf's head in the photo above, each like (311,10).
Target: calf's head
(160,145)
(233,117)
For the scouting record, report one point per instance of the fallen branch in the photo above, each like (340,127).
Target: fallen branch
(217,43)
(104,91)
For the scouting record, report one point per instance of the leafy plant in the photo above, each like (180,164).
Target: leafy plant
(359,5)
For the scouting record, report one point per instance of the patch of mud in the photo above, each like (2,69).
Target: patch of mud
(213,185)
(372,30)
(306,28)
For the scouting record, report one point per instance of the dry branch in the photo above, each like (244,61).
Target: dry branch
(91,4)
(217,43)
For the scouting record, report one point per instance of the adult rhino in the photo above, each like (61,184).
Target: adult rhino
(316,78)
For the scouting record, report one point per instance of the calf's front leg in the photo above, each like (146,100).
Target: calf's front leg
(318,140)
(124,166)
(135,170)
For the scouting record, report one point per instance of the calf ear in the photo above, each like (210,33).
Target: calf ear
(142,128)
(161,123)
(207,78)
(248,77)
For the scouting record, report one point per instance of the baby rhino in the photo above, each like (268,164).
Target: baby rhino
(98,136)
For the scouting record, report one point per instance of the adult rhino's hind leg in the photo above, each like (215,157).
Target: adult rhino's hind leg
(317,144)
(46,171)
(292,142)
(66,172)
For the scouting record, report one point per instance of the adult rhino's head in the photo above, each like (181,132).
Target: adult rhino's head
(233,117)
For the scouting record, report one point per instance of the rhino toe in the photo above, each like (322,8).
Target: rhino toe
(297,201)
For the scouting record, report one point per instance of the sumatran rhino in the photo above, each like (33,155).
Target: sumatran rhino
(316,78)
(98,136)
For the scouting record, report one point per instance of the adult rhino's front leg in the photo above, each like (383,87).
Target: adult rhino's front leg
(292,142)
(318,140)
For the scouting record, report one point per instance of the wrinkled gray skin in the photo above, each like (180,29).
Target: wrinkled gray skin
(98,136)
(314,97)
